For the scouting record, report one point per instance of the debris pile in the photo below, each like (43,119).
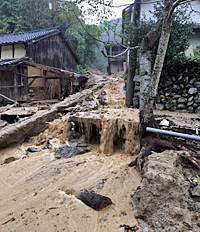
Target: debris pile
(75,174)
(164,201)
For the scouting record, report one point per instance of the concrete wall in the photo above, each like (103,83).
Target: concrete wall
(195,39)
(147,5)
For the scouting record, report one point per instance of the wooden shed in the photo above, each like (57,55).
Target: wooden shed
(22,80)
(38,64)
(47,46)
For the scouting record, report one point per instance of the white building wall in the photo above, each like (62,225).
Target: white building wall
(196,15)
(146,7)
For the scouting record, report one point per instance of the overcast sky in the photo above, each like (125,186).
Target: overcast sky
(117,10)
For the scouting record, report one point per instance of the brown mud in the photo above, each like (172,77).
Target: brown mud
(39,192)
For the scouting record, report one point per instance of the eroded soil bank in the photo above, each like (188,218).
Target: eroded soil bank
(38,191)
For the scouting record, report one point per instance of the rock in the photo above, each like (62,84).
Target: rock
(185,80)
(163,100)
(136,102)
(174,102)
(177,96)
(3,123)
(190,103)
(164,122)
(182,100)
(190,109)
(136,215)
(195,192)
(190,98)
(73,143)
(198,224)
(197,207)
(122,229)
(176,87)
(184,111)
(192,91)
(82,145)
(32,149)
(181,106)
(197,110)
(160,106)
(124,213)
(197,98)
(68,152)
(145,229)
(102,98)
(185,95)
(9,160)
(197,84)
(192,81)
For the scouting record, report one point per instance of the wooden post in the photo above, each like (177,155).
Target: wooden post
(15,92)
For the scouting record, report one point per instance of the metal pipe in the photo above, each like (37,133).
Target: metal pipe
(159,131)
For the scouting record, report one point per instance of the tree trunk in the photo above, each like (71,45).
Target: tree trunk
(161,52)
(149,82)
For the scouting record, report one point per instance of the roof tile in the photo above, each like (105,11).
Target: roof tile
(25,36)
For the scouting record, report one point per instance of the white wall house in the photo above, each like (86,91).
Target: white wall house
(147,7)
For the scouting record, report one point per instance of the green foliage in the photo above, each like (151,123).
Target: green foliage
(134,34)
(24,15)
(189,66)
(197,52)
(83,44)
(180,32)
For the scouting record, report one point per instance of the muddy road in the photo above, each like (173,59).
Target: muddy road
(38,189)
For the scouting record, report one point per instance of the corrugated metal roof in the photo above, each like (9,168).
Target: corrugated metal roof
(12,61)
(26,36)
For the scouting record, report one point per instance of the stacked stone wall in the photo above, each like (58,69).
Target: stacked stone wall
(179,88)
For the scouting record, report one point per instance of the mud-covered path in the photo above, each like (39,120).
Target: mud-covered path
(38,192)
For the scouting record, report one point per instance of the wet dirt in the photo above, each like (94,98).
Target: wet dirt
(38,192)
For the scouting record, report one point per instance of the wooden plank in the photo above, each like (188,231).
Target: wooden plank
(9,99)
(46,77)
(31,82)
(11,86)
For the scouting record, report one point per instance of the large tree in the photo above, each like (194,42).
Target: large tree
(150,77)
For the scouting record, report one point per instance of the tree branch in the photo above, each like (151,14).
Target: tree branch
(177,3)
(82,25)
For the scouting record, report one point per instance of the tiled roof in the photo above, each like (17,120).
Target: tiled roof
(26,36)
(12,61)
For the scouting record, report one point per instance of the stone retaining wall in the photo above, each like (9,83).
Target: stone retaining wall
(179,88)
